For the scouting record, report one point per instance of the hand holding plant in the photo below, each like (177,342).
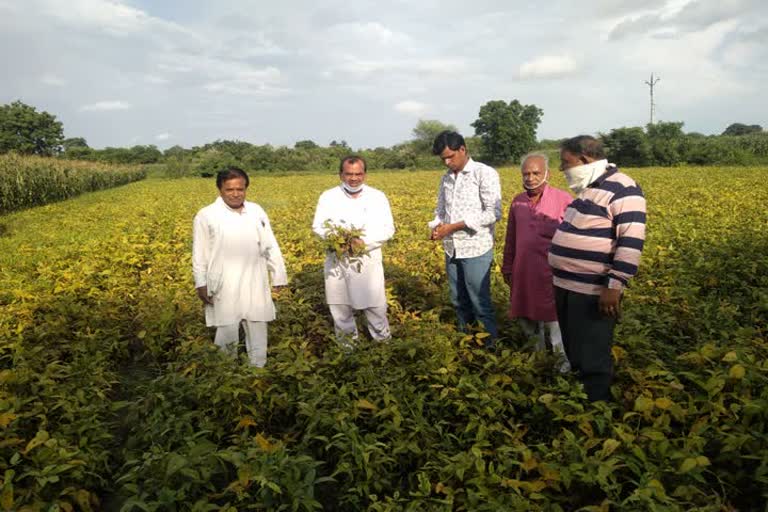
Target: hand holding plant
(345,243)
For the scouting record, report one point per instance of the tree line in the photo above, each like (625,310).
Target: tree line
(504,131)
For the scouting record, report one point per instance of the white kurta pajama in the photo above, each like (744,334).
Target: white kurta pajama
(234,254)
(346,288)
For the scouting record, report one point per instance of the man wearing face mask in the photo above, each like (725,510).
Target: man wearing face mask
(533,219)
(348,288)
(594,253)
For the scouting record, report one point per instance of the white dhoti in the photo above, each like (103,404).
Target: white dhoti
(228,336)
(345,324)
(539,330)
(236,257)
(360,285)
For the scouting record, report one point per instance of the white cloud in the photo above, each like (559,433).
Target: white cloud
(411,107)
(362,34)
(439,66)
(619,7)
(163,136)
(334,58)
(154,79)
(631,26)
(262,82)
(105,106)
(548,66)
(53,80)
(174,68)
(689,16)
(688,71)
(110,16)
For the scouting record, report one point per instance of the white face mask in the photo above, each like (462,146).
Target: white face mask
(581,176)
(352,190)
(537,185)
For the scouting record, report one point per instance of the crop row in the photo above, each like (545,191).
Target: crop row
(113,397)
(34,181)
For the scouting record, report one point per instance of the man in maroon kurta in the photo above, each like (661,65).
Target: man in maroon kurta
(534,215)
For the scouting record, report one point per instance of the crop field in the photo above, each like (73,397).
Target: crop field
(113,397)
(27,181)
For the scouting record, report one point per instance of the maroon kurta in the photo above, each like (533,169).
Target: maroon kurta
(530,228)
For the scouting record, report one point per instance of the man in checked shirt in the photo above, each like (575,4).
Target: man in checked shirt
(468,207)
(594,253)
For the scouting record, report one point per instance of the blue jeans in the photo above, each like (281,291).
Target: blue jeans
(469,280)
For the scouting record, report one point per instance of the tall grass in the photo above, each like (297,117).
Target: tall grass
(34,181)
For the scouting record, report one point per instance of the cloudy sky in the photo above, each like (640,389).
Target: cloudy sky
(187,72)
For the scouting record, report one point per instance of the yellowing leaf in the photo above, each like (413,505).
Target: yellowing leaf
(549,473)
(688,464)
(6,498)
(701,460)
(535,486)
(264,443)
(83,499)
(189,369)
(730,357)
(658,486)
(663,403)
(41,437)
(6,418)
(365,404)
(11,441)
(529,461)
(546,398)
(609,446)
(736,372)
(245,421)
(643,404)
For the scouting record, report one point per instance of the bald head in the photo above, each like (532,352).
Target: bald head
(535,170)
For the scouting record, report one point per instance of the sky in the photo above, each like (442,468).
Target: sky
(172,72)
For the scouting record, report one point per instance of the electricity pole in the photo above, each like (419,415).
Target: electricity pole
(651,84)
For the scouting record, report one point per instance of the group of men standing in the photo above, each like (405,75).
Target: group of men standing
(566,261)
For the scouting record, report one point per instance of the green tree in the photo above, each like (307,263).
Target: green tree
(176,152)
(668,143)
(507,130)
(425,132)
(628,146)
(305,144)
(27,131)
(74,142)
(742,129)
(342,144)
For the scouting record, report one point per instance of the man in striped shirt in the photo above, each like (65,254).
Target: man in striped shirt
(594,253)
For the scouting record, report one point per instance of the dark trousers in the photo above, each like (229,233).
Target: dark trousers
(587,337)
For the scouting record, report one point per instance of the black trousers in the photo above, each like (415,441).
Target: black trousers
(587,337)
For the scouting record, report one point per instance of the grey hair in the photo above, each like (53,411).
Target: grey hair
(543,156)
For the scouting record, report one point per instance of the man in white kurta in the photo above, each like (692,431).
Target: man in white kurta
(234,255)
(349,287)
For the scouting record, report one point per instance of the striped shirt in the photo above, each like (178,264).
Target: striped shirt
(599,242)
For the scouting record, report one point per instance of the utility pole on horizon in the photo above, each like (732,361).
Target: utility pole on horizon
(651,84)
